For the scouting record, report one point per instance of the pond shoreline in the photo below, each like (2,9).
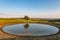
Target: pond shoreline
(49,36)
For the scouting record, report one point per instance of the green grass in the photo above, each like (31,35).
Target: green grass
(4,21)
(18,20)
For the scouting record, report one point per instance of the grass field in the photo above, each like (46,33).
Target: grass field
(10,21)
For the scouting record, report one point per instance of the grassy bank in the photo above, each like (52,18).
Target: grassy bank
(10,21)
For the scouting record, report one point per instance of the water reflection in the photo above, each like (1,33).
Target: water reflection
(26,26)
(31,29)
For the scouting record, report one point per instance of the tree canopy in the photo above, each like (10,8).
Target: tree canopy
(26,18)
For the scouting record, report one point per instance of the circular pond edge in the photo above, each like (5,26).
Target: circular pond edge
(31,36)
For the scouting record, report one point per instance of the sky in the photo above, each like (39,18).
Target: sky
(31,8)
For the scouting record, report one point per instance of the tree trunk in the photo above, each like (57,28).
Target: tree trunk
(27,22)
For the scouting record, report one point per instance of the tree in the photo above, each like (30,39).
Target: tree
(26,26)
(26,18)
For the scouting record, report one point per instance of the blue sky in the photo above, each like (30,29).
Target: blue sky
(31,8)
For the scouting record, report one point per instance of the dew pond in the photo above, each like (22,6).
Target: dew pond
(31,29)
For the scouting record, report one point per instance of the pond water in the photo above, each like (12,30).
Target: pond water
(31,29)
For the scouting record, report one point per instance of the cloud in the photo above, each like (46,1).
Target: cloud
(34,14)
